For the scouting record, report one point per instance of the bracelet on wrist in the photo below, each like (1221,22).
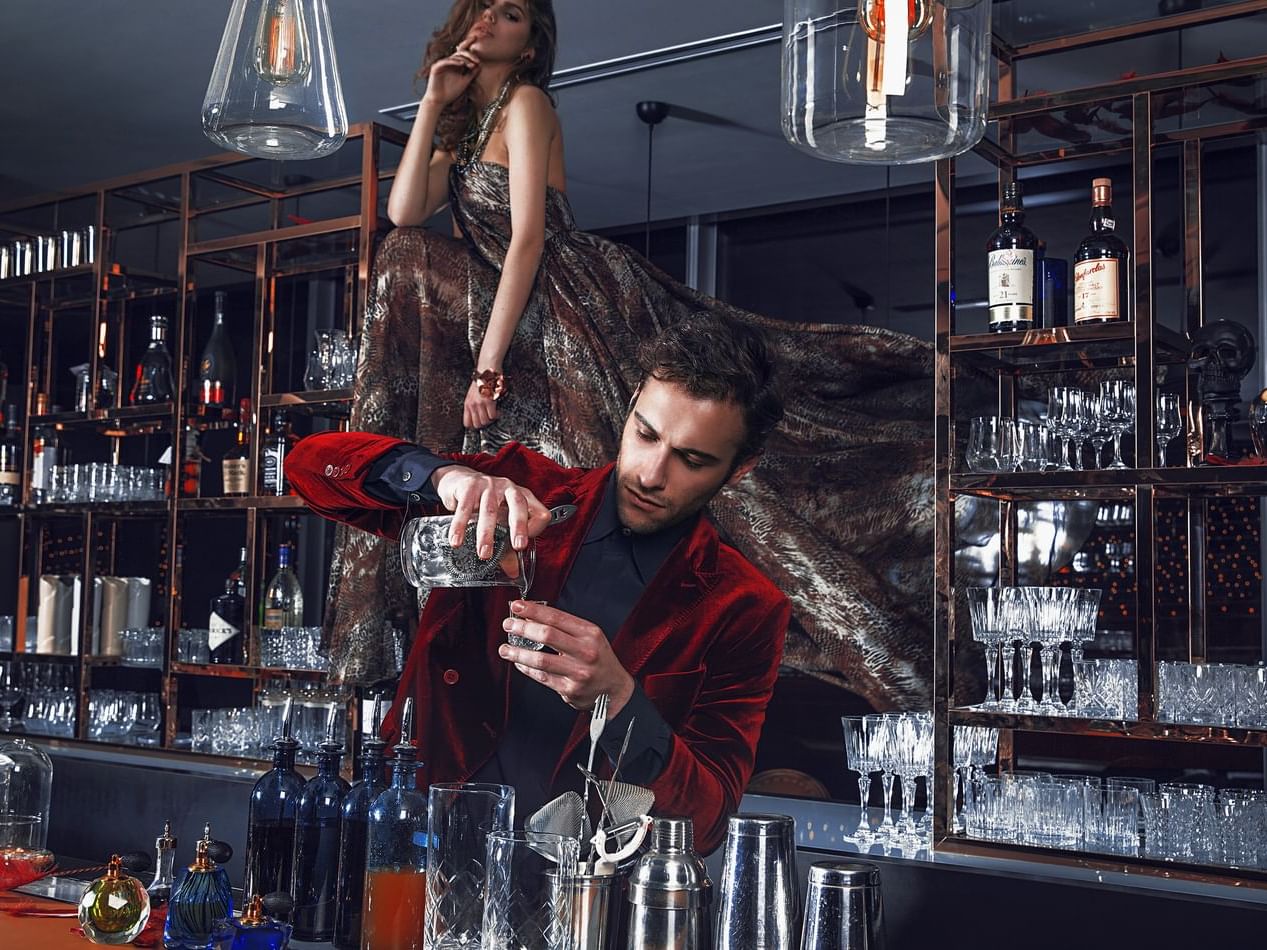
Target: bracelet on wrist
(492,384)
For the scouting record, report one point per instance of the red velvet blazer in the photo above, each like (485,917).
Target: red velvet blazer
(704,641)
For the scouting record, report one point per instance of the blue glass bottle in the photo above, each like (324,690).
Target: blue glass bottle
(254,931)
(396,859)
(202,897)
(270,832)
(355,834)
(318,822)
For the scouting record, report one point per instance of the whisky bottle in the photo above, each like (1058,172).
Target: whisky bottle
(1101,266)
(217,370)
(235,464)
(10,460)
(1011,252)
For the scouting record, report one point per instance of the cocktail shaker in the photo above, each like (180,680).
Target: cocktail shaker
(669,892)
(759,900)
(842,908)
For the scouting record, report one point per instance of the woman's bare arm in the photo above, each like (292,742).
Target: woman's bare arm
(421,184)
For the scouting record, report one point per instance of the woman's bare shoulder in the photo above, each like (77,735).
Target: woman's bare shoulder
(532,103)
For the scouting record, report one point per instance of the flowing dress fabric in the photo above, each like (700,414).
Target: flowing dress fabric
(838,514)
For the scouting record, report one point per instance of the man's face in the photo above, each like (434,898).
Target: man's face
(676,452)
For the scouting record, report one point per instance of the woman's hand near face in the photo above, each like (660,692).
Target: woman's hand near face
(449,77)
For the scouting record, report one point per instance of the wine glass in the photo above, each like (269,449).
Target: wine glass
(1117,398)
(1059,417)
(1169,423)
(1100,431)
(1080,425)
(858,756)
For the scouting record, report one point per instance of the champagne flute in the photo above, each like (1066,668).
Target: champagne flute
(1169,423)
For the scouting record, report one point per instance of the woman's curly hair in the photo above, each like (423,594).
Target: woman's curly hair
(458,117)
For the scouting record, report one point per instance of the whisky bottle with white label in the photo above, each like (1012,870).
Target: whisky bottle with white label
(1011,252)
(1101,268)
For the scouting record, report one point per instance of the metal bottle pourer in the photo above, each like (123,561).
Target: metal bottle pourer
(405,747)
(287,740)
(332,745)
(375,738)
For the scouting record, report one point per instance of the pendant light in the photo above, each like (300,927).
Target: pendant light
(885,81)
(274,91)
(652,113)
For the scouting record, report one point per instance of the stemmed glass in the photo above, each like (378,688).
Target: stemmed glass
(1117,403)
(883,742)
(985,608)
(860,758)
(10,692)
(1080,424)
(1100,431)
(1169,423)
(1060,417)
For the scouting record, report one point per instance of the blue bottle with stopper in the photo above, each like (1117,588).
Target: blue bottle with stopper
(270,833)
(318,821)
(202,897)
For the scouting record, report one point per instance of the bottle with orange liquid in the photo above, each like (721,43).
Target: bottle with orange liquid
(396,865)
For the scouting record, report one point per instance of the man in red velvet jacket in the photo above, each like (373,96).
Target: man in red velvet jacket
(646,604)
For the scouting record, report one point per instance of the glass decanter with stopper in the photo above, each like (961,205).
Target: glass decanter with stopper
(153,382)
(318,823)
(270,834)
(354,833)
(114,908)
(396,859)
(202,898)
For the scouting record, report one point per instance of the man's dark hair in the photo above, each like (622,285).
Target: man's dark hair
(713,357)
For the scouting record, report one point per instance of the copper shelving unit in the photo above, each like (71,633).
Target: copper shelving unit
(231,212)
(1141,346)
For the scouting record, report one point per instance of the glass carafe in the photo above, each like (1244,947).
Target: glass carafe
(396,860)
(270,835)
(354,836)
(317,826)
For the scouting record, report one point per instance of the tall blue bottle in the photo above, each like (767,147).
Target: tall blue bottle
(355,836)
(202,897)
(317,826)
(270,831)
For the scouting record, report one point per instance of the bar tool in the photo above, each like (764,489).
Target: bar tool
(842,908)
(759,901)
(670,893)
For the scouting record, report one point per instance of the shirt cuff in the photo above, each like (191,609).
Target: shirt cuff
(403,472)
(649,743)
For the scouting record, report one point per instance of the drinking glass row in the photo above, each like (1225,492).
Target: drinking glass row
(287,648)
(142,646)
(37,697)
(1214,694)
(249,732)
(97,482)
(331,362)
(899,746)
(1123,815)
(998,444)
(70,247)
(124,717)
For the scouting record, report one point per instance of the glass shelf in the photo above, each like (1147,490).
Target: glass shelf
(1115,728)
(1114,484)
(1100,346)
(241,501)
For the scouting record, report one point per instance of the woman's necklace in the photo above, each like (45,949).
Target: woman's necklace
(472,145)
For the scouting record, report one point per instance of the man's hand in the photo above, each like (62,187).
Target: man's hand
(467,493)
(585,665)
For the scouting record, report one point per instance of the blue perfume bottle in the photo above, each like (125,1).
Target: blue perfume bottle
(254,931)
(317,823)
(202,897)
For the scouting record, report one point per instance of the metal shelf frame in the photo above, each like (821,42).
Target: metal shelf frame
(1137,347)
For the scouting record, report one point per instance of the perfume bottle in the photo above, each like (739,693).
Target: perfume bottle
(317,825)
(115,908)
(354,836)
(202,897)
(396,858)
(270,833)
(254,931)
(160,890)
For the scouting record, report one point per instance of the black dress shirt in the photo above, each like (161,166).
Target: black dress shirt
(609,575)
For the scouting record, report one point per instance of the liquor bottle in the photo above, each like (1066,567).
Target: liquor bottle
(191,463)
(283,602)
(217,370)
(1101,266)
(153,382)
(1011,252)
(354,836)
(44,451)
(270,832)
(228,612)
(317,828)
(160,889)
(1053,291)
(202,897)
(114,908)
(274,457)
(236,462)
(396,858)
(10,460)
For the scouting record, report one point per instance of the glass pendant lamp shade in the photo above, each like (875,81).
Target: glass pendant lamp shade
(274,92)
(862,85)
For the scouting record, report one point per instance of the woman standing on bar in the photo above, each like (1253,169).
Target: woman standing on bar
(525,329)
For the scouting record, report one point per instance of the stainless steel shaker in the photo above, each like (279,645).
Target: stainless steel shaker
(759,899)
(843,908)
(669,892)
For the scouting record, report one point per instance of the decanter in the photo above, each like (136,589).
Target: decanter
(115,908)
(270,833)
(202,897)
(254,931)
(317,824)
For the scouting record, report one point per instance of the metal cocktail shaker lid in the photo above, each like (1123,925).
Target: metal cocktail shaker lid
(671,875)
(760,826)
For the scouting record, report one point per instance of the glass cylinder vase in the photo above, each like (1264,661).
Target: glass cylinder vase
(274,90)
(861,85)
